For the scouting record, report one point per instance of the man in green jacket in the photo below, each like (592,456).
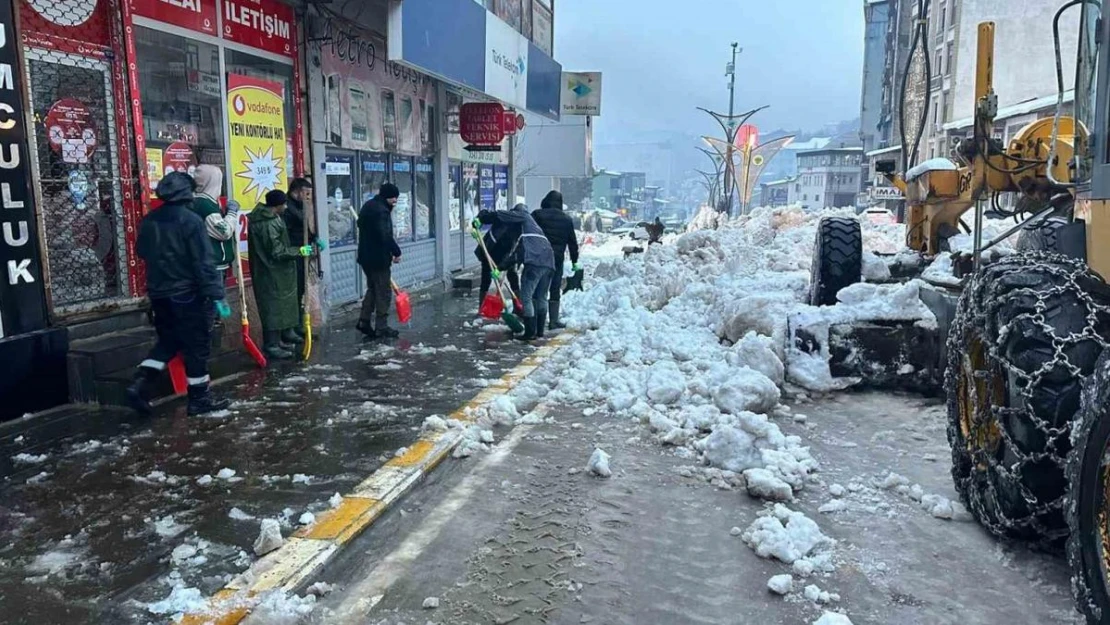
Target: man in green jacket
(273,265)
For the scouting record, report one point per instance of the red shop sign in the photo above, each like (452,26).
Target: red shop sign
(178,157)
(482,123)
(69,129)
(264,24)
(198,15)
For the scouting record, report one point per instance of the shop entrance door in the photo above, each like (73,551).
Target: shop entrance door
(76,148)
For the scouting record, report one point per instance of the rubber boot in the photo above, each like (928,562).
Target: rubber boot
(529,330)
(138,394)
(553,309)
(272,346)
(384,331)
(366,329)
(541,322)
(201,401)
(290,336)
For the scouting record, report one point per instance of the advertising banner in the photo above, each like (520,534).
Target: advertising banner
(154,171)
(542,33)
(371,103)
(489,192)
(339,170)
(263,24)
(506,63)
(501,186)
(22,300)
(470,192)
(197,15)
(256,111)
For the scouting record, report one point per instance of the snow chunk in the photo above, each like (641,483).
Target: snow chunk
(836,490)
(665,383)
(762,484)
(746,390)
(279,608)
(732,449)
(781,584)
(599,464)
(874,268)
(204,480)
(757,353)
(225,474)
(269,537)
(335,500)
(307,518)
(236,514)
(24,458)
(785,535)
(179,601)
(833,618)
(430,603)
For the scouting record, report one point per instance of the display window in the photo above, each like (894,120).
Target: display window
(424,199)
(403,211)
(454,196)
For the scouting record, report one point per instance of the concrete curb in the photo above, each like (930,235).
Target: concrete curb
(311,547)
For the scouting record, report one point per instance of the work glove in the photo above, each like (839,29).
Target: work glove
(576,268)
(321,245)
(476,223)
(305,250)
(222,309)
(233,209)
(496,273)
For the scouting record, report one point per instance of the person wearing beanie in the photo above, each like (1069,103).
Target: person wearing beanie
(377,253)
(559,230)
(184,288)
(532,250)
(300,194)
(273,259)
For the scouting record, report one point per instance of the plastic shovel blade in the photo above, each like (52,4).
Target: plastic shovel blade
(404,307)
(492,307)
(177,374)
(252,348)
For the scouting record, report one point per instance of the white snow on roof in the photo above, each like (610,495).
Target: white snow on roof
(881,151)
(933,164)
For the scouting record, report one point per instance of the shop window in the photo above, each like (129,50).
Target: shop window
(182,103)
(424,225)
(339,171)
(403,211)
(471,192)
(375,172)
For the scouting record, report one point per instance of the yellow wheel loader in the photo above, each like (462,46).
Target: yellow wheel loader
(1023,340)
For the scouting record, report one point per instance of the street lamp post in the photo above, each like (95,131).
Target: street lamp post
(730,71)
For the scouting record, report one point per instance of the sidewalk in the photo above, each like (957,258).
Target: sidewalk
(524,535)
(101,514)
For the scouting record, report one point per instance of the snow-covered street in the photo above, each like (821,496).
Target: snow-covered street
(678,460)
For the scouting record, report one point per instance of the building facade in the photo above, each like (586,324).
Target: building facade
(829,178)
(877,18)
(121,92)
(777,193)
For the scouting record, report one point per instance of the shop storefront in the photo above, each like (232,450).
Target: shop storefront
(208,82)
(377,127)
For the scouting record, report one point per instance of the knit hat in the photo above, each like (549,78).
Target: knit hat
(389,191)
(275,198)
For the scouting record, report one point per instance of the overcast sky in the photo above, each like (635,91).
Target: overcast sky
(662,58)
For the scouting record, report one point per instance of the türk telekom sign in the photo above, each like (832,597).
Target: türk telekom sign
(22,303)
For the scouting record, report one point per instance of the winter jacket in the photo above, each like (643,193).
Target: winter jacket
(376,246)
(533,247)
(294,222)
(559,229)
(175,247)
(499,240)
(220,229)
(273,269)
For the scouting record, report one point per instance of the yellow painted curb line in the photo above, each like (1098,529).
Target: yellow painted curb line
(309,548)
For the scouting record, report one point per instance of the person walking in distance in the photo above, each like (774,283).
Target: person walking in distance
(558,227)
(377,253)
(184,288)
(299,196)
(532,250)
(273,259)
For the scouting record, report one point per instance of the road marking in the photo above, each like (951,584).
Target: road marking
(310,548)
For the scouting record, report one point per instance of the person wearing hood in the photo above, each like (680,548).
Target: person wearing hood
(221,229)
(532,250)
(559,230)
(183,287)
(300,194)
(377,253)
(274,276)
(499,240)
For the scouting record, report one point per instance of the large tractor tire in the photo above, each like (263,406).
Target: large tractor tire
(837,259)
(1041,237)
(1028,330)
(1088,505)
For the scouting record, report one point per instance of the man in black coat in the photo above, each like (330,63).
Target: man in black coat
(185,291)
(300,194)
(377,253)
(500,240)
(559,230)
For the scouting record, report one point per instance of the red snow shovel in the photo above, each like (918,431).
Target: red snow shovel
(404,305)
(248,342)
(511,320)
(176,366)
(492,307)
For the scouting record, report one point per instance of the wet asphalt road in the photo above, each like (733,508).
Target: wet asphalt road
(88,532)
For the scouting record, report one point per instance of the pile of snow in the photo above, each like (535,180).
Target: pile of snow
(785,535)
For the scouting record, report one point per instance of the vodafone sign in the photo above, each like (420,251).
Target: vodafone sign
(482,123)
(197,15)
